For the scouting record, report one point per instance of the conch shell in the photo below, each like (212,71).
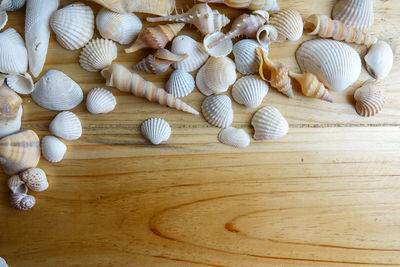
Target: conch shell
(158,62)
(370,98)
(157,7)
(267,5)
(311,86)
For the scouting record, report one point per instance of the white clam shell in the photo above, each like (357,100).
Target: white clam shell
(3,263)
(11,5)
(197,55)
(100,101)
(269,124)
(334,63)
(57,91)
(379,60)
(13,53)
(53,149)
(98,54)
(22,201)
(250,91)
(356,13)
(180,83)
(12,126)
(66,125)
(246,59)
(21,83)
(35,179)
(217,110)
(156,130)
(222,49)
(16,185)
(234,137)
(3,19)
(73,25)
(288,23)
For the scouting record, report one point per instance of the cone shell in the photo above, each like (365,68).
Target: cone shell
(53,149)
(10,111)
(156,130)
(266,35)
(222,49)
(13,54)
(217,110)
(370,99)
(21,83)
(269,124)
(158,62)
(246,59)
(234,137)
(197,55)
(73,25)
(250,91)
(66,125)
(288,23)
(334,63)
(180,83)
(35,179)
(16,185)
(97,55)
(356,13)
(379,60)
(100,101)
(268,5)
(311,86)
(22,201)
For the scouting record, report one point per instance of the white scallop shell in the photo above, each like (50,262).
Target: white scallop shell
(22,201)
(288,23)
(66,125)
(121,28)
(21,83)
(35,179)
(334,63)
(197,55)
(98,54)
(13,53)
(73,25)
(156,130)
(57,91)
(8,127)
(217,110)
(234,137)
(3,19)
(100,101)
(356,13)
(53,149)
(379,60)
(11,5)
(246,59)
(266,35)
(222,49)
(250,91)
(16,185)
(180,83)
(269,124)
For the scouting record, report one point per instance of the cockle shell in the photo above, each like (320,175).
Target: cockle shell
(21,83)
(57,91)
(246,59)
(370,98)
(11,5)
(53,149)
(311,86)
(217,110)
(379,60)
(180,83)
(13,54)
(356,13)
(222,49)
(158,62)
(73,25)
(35,179)
(197,55)
(334,63)
(66,125)
(22,201)
(234,137)
(100,101)
(3,262)
(10,111)
(268,5)
(97,55)
(157,7)
(156,130)
(121,28)
(16,185)
(266,35)
(250,91)
(288,23)
(3,19)
(269,124)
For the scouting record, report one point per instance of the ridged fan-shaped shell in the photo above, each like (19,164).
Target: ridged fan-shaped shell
(180,83)
(356,13)
(379,60)
(234,137)
(156,130)
(22,201)
(222,49)
(217,110)
(13,53)
(246,59)
(97,55)
(35,179)
(11,5)
(53,149)
(288,23)
(66,125)
(250,91)
(269,124)
(370,98)
(197,55)
(100,100)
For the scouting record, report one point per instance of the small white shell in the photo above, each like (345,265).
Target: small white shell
(246,59)
(156,130)
(16,185)
(197,55)
(180,83)
(379,60)
(21,83)
(66,125)
(97,55)
(100,100)
(250,91)
(234,137)
(217,110)
(356,13)
(288,23)
(266,35)
(35,179)
(22,201)
(11,5)
(222,49)
(3,19)
(269,124)
(53,149)
(13,53)
(3,262)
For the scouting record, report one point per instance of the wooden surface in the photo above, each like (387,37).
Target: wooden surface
(327,194)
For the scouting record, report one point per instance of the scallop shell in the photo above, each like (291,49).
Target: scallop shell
(288,23)
(21,83)
(266,35)
(222,49)
(13,53)
(180,83)
(197,55)
(73,25)
(246,59)
(57,91)
(311,86)
(66,125)
(217,110)
(11,5)
(370,98)
(121,28)
(22,201)
(379,60)
(3,19)
(356,13)
(250,91)
(35,179)
(234,137)
(269,124)
(156,130)
(16,185)
(53,149)
(97,55)
(100,100)
(334,63)
(10,111)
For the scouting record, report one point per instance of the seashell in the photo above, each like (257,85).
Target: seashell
(336,64)
(57,91)
(97,55)
(269,124)
(246,58)
(250,91)
(157,7)
(10,111)
(37,32)
(266,35)
(11,5)
(3,19)
(66,125)
(100,101)
(53,149)
(311,86)
(155,37)
(13,54)
(21,83)
(197,55)
(268,5)
(156,130)
(121,28)
(22,201)
(223,49)
(324,27)
(16,185)
(73,25)
(234,137)
(370,98)
(120,77)
(158,62)
(217,110)
(35,179)
(379,60)
(288,23)
(216,76)
(180,83)
(356,13)
(19,151)
(3,263)
(201,16)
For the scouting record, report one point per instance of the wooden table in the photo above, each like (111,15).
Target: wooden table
(327,194)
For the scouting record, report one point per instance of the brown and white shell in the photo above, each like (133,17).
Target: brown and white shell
(311,86)
(269,124)
(35,179)
(288,23)
(22,201)
(10,111)
(370,98)
(356,13)
(158,62)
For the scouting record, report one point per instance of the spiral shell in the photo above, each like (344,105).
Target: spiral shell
(158,62)
(223,49)
(217,110)
(379,60)
(266,35)
(16,185)
(288,23)
(100,100)
(180,83)
(269,124)
(53,149)
(197,55)
(35,179)
(311,86)
(356,13)
(250,91)
(246,59)
(22,201)
(97,55)
(156,130)
(234,137)
(21,83)
(66,125)
(370,99)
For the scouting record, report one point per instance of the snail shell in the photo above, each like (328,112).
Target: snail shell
(16,185)
(22,201)
(35,179)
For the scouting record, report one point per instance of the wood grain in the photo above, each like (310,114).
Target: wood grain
(327,194)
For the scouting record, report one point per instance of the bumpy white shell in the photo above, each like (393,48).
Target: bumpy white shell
(21,83)
(334,63)
(246,59)
(269,124)
(222,49)
(217,110)
(16,185)
(3,19)
(250,91)
(156,130)
(121,28)
(288,23)
(180,83)
(57,91)
(379,60)
(197,55)
(66,125)
(22,201)
(356,13)
(53,149)
(100,101)
(73,25)
(97,55)
(35,179)
(13,54)
(234,137)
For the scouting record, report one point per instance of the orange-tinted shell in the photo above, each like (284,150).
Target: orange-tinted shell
(158,62)
(311,86)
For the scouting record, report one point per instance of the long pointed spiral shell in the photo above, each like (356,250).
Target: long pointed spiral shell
(158,62)
(311,86)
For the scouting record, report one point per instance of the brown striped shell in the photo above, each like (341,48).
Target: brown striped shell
(370,98)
